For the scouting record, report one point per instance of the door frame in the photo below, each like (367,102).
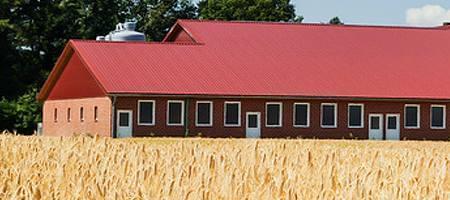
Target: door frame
(397,115)
(258,114)
(130,118)
(381,125)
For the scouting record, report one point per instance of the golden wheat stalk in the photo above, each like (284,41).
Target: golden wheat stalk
(84,167)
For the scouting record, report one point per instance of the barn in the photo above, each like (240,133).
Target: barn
(256,79)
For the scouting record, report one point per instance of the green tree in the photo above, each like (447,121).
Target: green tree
(257,10)
(34,32)
(336,21)
(21,113)
(32,36)
(155,17)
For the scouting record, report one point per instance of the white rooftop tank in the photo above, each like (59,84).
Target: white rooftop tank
(124,32)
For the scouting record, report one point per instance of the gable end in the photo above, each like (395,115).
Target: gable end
(70,79)
(178,34)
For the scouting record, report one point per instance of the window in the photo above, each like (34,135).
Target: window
(252,121)
(95,113)
(232,114)
(274,114)
(375,122)
(175,113)
(81,114)
(124,119)
(146,112)
(355,115)
(204,113)
(55,115)
(328,115)
(438,116)
(68,115)
(391,122)
(412,116)
(301,115)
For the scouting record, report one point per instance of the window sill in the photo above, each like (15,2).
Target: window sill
(204,125)
(438,128)
(330,127)
(175,125)
(406,127)
(301,126)
(232,126)
(356,127)
(146,124)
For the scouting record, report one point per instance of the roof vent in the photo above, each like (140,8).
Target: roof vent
(124,32)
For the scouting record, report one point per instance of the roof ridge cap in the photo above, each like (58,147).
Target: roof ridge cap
(138,42)
(311,24)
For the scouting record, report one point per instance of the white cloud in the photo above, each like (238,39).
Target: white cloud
(428,15)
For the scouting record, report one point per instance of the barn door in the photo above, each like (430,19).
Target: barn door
(124,123)
(392,127)
(375,126)
(253,125)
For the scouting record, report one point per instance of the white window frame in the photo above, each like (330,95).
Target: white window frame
(307,115)
(211,107)
(225,114)
(280,118)
(335,115)
(168,111)
(444,124)
(418,116)
(153,112)
(362,115)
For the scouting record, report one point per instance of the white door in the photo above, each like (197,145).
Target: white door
(392,127)
(375,126)
(124,123)
(253,125)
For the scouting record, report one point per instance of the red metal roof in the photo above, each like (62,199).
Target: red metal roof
(279,59)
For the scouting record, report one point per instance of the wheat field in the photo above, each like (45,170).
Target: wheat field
(168,168)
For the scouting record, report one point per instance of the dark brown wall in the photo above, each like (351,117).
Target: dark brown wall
(287,130)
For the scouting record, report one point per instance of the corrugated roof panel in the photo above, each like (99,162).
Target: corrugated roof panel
(279,59)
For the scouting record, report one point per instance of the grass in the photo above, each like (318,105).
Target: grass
(172,168)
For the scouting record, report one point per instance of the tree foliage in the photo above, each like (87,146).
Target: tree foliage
(336,21)
(24,109)
(156,17)
(257,10)
(34,32)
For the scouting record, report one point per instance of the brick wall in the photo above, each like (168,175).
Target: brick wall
(62,126)
(287,130)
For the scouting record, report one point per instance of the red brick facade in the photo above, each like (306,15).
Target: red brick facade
(287,130)
(61,125)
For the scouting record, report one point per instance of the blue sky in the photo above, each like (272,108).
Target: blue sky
(382,12)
